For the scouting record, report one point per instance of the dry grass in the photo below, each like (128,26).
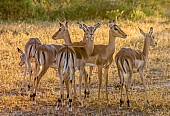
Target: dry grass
(157,73)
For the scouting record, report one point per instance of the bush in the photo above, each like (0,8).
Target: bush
(82,9)
(20,10)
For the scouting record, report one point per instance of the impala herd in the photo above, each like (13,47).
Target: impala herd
(69,57)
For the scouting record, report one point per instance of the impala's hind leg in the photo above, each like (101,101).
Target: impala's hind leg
(127,85)
(141,72)
(121,77)
(36,82)
(106,81)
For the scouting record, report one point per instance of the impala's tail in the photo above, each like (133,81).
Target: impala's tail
(66,58)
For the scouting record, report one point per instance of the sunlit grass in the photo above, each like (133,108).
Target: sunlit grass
(13,35)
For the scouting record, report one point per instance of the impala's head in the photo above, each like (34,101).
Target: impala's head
(60,34)
(149,36)
(89,31)
(22,57)
(116,30)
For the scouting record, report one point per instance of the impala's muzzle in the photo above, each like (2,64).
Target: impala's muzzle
(91,37)
(125,36)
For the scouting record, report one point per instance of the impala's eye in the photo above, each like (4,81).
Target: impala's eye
(60,29)
(115,29)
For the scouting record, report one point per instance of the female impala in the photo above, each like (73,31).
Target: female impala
(71,58)
(25,58)
(45,57)
(130,61)
(102,55)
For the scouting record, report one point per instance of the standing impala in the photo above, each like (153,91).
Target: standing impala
(25,58)
(130,61)
(45,57)
(102,55)
(71,58)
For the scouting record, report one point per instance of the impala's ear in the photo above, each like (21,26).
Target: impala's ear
(142,32)
(66,24)
(98,25)
(111,23)
(61,25)
(151,31)
(82,26)
(20,51)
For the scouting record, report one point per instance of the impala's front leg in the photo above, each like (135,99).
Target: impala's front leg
(141,72)
(36,82)
(89,78)
(85,76)
(80,83)
(23,81)
(100,79)
(30,72)
(106,82)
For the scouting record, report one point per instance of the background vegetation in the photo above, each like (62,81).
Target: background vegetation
(51,10)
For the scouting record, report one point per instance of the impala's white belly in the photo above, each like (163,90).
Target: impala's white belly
(90,64)
(138,64)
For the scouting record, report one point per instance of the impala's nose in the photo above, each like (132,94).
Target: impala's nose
(125,36)
(91,36)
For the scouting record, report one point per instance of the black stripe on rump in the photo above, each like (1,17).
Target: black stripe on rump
(38,56)
(60,59)
(30,51)
(127,63)
(72,59)
(44,57)
(67,57)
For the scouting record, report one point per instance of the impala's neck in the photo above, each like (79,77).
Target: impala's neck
(84,38)
(89,47)
(146,48)
(67,38)
(111,45)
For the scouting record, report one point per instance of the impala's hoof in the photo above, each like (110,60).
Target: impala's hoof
(70,109)
(128,102)
(29,87)
(63,103)
(57,108)
(34,102)
(121,102)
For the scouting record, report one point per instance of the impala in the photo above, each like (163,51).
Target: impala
(72,58)
(25,58)
(102,55)
(45,57)
(131,61)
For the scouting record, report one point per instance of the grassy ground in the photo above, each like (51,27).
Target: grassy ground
(13,35)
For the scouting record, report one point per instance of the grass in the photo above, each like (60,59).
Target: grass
(13,35)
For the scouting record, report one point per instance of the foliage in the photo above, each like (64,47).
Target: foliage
(82,9)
